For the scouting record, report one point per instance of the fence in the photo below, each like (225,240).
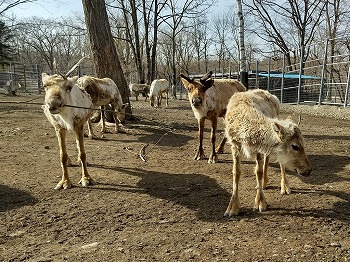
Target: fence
(323,80)
(19,78)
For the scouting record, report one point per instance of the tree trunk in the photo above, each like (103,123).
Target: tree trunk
(103,50)
(242,56)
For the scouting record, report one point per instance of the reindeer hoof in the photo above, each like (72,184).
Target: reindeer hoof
(213,159)
(86,181)
(65,184)
(285,191)
(199,156)
(261,207)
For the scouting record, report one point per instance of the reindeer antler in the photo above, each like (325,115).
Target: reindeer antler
(75,66)
(207,76)
(70,71)
(190,80)
(57,70)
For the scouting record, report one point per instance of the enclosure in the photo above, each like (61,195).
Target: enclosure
(170,207)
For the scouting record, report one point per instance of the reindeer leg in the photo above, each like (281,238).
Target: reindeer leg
(234,205)
(220,148)
(62,137)
(91,132)
(103,128)
(167,98)
(265,167)
(159,99)
(85,177)
(260,203)
(116,119)
(213,158)
(285,189)
(200,153)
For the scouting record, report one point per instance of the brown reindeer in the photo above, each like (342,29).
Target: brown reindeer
(209,98)
(137,89)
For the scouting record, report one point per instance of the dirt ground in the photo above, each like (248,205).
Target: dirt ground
(170,207)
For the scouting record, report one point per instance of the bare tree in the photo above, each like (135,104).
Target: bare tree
(174,20)
(41,40)
(5,5)
(225,38)
(193,46)
(104,54)
(291,21)
(242,54)
(6,37)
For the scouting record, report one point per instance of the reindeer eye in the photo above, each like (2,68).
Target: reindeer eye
(295,147)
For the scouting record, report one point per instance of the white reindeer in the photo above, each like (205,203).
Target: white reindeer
(254,134)
(104,91)
(61,95)
(158,87)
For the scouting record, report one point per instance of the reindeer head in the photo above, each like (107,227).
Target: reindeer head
(57,88)
(290,149)
(196,88)
(57,91)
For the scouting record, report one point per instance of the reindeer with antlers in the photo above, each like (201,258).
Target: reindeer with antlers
(209,98)
(67,108)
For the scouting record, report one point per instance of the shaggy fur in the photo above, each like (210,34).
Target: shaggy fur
(254,134)
(103,91)
(60,92)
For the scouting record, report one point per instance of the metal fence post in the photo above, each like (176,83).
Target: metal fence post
(257,74)
(323,71)
(268,75)
(282,79)
(347,90)
(301,68)
(38,78)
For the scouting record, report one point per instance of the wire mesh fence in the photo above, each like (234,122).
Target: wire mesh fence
(322,79)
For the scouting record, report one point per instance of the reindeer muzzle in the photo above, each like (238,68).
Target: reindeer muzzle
(197,101)
(55,105)
(306,173)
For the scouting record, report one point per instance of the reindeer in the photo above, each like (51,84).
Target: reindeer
(137,89)
(209,98)
(67,108)
(251,132)
(158,87)
(104,91)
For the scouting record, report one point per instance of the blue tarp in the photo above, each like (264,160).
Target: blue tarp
(295,76)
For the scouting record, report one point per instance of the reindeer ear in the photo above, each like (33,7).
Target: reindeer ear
(207,83)
(279,130)
(44,76)
(73,79)
(185,82)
